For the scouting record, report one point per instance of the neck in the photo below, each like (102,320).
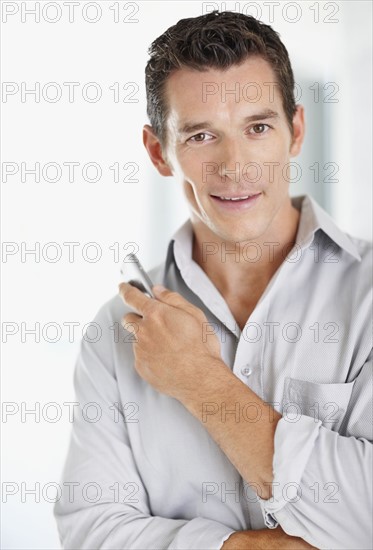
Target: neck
(237,267)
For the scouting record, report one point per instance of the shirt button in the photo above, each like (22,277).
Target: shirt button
(246,370)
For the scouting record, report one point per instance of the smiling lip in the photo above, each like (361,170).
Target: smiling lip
(236,205)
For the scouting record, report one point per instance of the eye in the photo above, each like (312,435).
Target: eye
(199,138)
(259,129)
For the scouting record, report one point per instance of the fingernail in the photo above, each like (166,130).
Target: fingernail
(159,288)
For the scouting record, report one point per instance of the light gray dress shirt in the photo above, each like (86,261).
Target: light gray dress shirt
(142,472)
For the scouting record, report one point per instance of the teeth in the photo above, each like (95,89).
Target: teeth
(235,198)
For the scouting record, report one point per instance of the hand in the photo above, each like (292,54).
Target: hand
(172,350)
(265,539)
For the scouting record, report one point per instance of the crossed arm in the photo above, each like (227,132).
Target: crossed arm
(102,451)
(203,377)
(217,385)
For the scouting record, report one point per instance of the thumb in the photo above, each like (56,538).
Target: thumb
(158,289)
(172,298)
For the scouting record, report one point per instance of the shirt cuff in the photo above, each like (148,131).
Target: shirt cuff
(201,533)
(293,444)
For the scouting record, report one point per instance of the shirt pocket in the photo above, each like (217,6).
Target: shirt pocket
(325,402)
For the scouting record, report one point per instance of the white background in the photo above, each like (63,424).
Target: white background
(335,49)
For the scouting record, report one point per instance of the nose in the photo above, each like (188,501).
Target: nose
(233,174)
(233,162)
(230,165)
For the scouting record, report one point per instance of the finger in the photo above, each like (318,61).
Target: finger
(175,299)
(131,323)
(133,297)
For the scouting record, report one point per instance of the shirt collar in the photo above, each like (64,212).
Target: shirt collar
(312,218)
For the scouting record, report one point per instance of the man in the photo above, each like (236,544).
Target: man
(239,399)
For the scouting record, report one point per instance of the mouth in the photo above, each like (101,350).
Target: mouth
(236,202)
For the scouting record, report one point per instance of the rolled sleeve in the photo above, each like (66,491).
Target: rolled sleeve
(322,480)
(294,443)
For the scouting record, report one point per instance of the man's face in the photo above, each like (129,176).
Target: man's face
(224,144)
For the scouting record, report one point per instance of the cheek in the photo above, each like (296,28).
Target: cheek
(192,175)
(186,165)
(193,169)
(275,162)
(275,151)
(194,200)
(191,193)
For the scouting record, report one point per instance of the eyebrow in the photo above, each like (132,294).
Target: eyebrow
(188,127)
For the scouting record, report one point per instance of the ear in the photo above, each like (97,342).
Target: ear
(298,131)
(154,148)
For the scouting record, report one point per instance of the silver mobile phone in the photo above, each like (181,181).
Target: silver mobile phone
(133,273)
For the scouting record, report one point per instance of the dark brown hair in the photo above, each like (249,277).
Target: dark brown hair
(215,40)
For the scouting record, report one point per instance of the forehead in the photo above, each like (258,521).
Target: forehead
(252,84)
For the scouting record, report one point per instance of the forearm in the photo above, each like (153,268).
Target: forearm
(332,474)
(240,422)
(264,539)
